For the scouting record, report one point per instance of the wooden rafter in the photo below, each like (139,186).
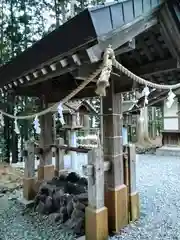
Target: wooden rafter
(146,49)
(169,29)
(156,67)
(156,44)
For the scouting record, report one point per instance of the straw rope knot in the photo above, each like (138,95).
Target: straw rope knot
(103,80)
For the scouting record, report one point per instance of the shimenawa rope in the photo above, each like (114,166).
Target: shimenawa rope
(109,60)
(64,100)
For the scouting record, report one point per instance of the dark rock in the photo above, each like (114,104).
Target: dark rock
(73,188)
(83,181)
(40,208)
(49,208)
(70,207)
(79,228)
(65,199)
(77,204)
(73,177)
(3,190)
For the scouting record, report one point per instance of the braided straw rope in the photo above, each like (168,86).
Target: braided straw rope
(104,70)
(64,100)
(138,79)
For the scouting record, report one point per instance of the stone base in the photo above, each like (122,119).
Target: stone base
(48,172)
(40,172)
(28,188)
(116,200)
(134,206)
(96,224)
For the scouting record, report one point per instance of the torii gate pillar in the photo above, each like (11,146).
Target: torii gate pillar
(116,195)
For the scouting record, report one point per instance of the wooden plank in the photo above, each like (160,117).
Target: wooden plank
(112,136)
(29,170)
(96,181)
(46,135)
(132,167)
(59,157)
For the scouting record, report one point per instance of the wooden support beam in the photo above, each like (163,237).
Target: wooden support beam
(133,194)
(29,171)
(59,157)
(46,138)
(116,191)
(96,214)
(29,159)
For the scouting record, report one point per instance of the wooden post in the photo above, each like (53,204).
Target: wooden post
(86,128)
(116,190)
(46,169)
(29,171)
(133,194)
(73,143)
(96,216)
(126,175)
(59,157)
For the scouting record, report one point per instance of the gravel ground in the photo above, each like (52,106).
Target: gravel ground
(158,183)
(17,224)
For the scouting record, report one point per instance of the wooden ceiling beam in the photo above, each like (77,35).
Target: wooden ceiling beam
(156,67)
(53,74)
(156,44)
(145,49)
(169,29)
(58,94)
(136,55)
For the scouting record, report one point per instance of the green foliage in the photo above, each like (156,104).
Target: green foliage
(22,23)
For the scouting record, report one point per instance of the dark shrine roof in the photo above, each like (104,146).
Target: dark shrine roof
(75,106)
(155,97)
(90,26)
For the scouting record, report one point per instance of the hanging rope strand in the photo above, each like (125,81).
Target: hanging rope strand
(64,100)
(140,80)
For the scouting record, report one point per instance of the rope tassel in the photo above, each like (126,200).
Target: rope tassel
(2,119)
(170,99)
(37,125)
(103,80)
(16,128)
(60,111)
